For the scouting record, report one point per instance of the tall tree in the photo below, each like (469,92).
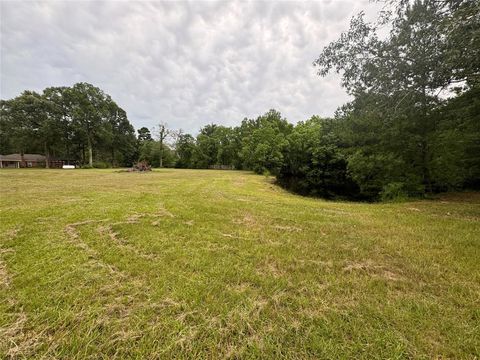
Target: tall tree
(59,102)
(89,111)
(264,140)
(314,163)
(120,133)
(144,134)
(207,147)
(397,81)
(33,122)
(162,133)
(185,148)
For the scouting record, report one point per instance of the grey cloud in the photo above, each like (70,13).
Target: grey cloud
(184,63)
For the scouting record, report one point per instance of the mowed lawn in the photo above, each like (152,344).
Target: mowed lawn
(104,264)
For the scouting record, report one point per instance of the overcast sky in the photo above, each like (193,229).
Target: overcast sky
(187,64)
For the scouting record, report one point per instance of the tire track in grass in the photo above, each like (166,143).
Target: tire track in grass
(132,219)
(15,339)
(108,231)
(126,295)
(120,297)
(179,339)
(94,258)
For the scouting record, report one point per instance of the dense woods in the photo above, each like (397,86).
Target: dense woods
(412,128)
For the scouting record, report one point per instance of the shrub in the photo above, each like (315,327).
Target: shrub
(101,165)
(394,191)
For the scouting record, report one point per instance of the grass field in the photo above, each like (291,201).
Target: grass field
(224,264)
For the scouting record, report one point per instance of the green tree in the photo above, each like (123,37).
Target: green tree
(264,141)
(89,111)
(392,131)
(144,134)
(314,163)
(32,123)
(185,148)
(58,98)
(120,134)
(207,147)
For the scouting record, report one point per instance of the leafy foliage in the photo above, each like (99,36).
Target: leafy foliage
(410,129)
(68,123)
(313,163)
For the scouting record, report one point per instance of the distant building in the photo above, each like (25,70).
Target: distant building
(27,161)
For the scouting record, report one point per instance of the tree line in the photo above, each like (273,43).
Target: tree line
(69,123)
(412,128)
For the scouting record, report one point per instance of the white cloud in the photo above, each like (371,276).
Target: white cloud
(188,64)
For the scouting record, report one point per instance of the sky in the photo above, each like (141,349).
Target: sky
(186,64)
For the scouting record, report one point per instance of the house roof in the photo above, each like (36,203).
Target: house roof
(26,157)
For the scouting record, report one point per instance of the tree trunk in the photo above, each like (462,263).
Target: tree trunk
(425,148)
(161,153)
(90,152)
(47,157)
(162,134)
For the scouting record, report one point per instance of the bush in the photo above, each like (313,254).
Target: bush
(101,165)
(394,191)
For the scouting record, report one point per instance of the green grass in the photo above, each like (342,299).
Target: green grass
(217,264)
